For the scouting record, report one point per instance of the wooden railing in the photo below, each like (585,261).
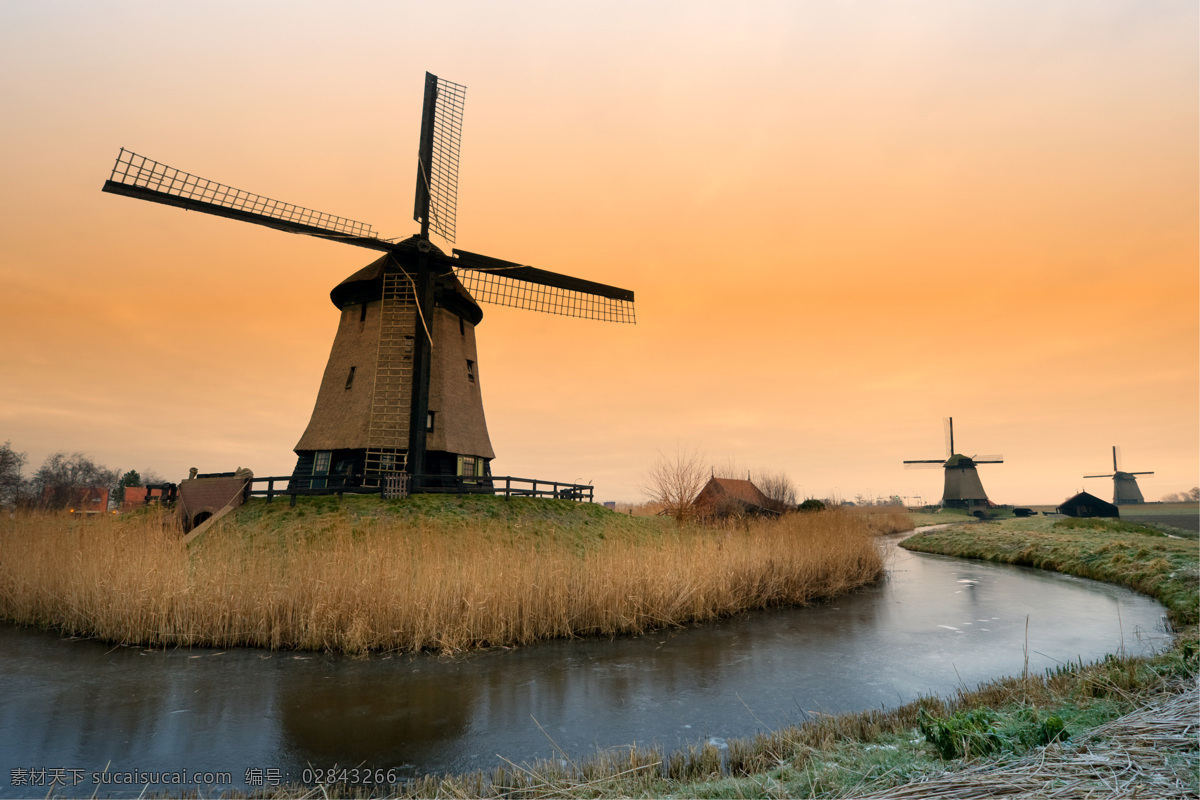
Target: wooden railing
(505,486)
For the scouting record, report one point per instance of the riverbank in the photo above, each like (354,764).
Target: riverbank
(428,573)
(1118,727)
(1138,556)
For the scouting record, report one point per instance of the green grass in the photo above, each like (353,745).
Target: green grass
(942,517)
(584,524)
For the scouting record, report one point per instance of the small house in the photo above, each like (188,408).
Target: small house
(1087,505)
(729,497)
(76,499)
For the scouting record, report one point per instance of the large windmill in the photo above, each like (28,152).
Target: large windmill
(401,390)
(1125,485)
(963,488)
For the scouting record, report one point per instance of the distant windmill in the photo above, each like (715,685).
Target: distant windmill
(1125,485)
(401,389)
(963,487)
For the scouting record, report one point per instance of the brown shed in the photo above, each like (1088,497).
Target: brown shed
(726,497)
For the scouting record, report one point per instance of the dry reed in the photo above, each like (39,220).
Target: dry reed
(885,519)
(356,584)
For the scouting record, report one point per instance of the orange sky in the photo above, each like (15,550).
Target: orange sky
(843,222)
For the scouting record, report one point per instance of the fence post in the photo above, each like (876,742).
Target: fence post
(270,489)
(292,502)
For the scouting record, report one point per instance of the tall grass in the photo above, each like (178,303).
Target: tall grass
(343,582)
(885,519)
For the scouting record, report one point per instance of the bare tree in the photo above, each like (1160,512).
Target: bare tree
(60,476)
(778,488)
(674,481)
(150,477)
(10,475)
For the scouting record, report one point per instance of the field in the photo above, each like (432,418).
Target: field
(1181,516)
(427,573)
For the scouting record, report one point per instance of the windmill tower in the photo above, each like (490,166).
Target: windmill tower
(401,389)
(963,488)
(1125,485)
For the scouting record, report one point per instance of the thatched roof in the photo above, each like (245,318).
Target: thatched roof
(723,497)
(366,285)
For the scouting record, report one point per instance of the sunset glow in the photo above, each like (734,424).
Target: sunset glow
(843,222)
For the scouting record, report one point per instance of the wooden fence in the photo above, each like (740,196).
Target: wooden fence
(399,486)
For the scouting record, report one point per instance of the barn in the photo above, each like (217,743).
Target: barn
(1087,505)
(729,497)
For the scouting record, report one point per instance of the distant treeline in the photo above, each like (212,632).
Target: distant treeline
(60,481)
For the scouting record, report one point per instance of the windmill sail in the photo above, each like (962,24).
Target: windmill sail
(490,280)
(390,400)
(507,283)
(437,157)
(136,176)
(1125,485)
(962,485)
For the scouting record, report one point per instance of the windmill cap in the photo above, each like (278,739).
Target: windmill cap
(366,285)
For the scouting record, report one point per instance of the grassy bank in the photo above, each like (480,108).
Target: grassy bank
(428,573)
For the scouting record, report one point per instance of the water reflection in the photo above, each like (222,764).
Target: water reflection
(359,714)
(934,625)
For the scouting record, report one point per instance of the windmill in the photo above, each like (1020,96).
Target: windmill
(963,487)
(401,389)
(1125,485)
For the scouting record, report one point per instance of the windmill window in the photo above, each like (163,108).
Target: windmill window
(470,370)
(466,466)
(321,462)
(350,378)
(387,462)
(429,421)
(362,314)
(462,329)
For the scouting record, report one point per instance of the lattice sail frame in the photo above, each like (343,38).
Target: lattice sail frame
(132,169)
(442,181)
(492,287)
